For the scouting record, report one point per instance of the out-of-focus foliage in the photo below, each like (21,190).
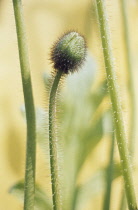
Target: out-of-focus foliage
(85,128)
(41,200)
(78,135)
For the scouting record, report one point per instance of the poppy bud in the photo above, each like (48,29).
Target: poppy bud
(69,52)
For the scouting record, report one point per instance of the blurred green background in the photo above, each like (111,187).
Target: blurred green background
(85,124)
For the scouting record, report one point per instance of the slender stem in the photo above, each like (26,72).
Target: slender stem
(29,107)
(116,106)
(129,71)
(53,144)
(126,37)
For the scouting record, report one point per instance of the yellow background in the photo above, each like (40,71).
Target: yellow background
(45,21)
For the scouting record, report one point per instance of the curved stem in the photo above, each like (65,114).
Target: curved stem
(53,144)
(29,189)
(116,106)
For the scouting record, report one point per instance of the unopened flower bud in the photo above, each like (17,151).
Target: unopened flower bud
(69,52)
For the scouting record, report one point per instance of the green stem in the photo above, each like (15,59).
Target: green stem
(53,145)
(123,5)
(129,71)
(116,106)
(29,190)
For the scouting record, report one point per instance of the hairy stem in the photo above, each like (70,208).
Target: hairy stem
(53,144)
(29,189)
(116,106)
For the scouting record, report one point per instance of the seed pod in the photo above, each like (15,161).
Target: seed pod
(68,53)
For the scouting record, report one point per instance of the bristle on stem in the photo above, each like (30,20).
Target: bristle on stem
(67,55)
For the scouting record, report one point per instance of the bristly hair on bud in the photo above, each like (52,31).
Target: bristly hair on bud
(67,55)
(69,52)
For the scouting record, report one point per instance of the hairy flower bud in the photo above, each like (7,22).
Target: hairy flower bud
(69,52)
